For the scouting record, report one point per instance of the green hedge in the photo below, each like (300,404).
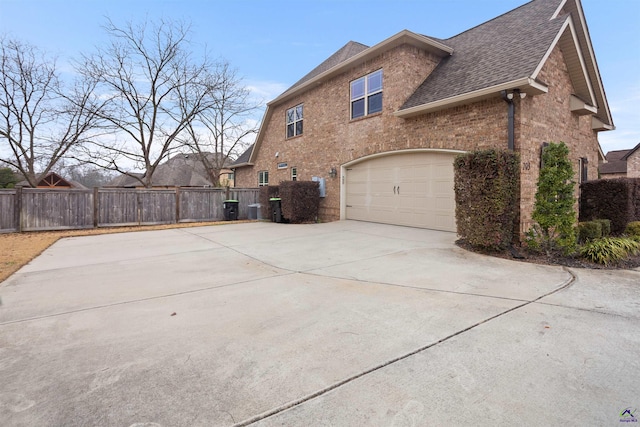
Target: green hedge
(487,195)
(614,199)
(300,200)
(606,226)
(633,229)
(589,230)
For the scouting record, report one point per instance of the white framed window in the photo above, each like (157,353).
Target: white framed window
(366,95)
(294,121)
(583,170)
(294,174)
(263,178)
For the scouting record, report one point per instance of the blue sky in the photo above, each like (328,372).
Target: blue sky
(274,43)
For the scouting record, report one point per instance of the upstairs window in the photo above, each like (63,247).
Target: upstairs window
(263,178)
(366,95)
(294,121)
(294,174)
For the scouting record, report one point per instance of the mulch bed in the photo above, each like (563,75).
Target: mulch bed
(554,259)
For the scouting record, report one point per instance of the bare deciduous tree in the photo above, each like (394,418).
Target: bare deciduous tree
(220,133)
(153,87)
(40,123)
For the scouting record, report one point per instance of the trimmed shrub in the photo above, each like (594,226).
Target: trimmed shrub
(633,229)
(615,199)
(589,230)
(266,193)
(606,226)
(610,249)
(553,209)
(487,192)
(300,200)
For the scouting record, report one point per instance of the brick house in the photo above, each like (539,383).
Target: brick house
(621,164)
(383,124)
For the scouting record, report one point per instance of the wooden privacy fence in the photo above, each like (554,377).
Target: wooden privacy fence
(35,209)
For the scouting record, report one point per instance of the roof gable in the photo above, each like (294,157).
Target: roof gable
(502,50)
(53,180)
(505,53)
(509,52)
(630,152)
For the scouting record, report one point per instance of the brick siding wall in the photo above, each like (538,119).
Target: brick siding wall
(633,165)
(548,118)
(331,139)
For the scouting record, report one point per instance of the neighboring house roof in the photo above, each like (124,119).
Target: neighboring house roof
(53,180)
(182,170)
(505,53)
(125,180)
(244,158)
(617,161)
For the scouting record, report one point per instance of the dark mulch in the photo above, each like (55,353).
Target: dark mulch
(555,259)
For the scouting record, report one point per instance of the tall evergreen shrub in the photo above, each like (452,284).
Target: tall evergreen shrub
(553,211)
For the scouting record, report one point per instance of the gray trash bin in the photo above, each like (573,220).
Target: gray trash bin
(254,211)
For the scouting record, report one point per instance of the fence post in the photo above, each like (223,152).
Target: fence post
(17,210)
(227,193)
(177,205)
(96,208)
(139,205)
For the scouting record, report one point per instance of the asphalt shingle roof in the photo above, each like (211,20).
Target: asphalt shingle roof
(617,161)
(182,170)
(504,49)
(347,51)
(244,157)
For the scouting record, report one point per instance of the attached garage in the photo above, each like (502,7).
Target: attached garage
(413,188)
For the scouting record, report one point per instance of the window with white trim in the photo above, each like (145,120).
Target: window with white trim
(583,170)
(294,174)
(294,121)
(366,95)
(263,178)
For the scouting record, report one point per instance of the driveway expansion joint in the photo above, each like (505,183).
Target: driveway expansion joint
(318,393)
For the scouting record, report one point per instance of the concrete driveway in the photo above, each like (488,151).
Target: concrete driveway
(345,323)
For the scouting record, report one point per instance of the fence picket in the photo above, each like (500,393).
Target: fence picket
(56,209)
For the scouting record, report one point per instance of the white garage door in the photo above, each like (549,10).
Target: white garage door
(414,189)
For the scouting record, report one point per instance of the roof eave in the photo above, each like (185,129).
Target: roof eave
(581,108)
(599,126)
(604,112)
(403,37)
(633,150)
(525,85)
(241,165)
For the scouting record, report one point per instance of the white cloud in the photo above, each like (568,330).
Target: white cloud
(265,91)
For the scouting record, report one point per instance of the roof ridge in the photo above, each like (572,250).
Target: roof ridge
(631,151)
(350,49)
(492,19)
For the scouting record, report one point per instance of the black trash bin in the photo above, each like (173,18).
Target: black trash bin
(230,210)
(276,209)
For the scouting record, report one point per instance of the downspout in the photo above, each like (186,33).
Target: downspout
(508,98)
(511,108)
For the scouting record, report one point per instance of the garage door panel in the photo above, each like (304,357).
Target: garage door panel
(414,189)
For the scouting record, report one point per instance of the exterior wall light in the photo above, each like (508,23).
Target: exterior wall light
(333,172)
